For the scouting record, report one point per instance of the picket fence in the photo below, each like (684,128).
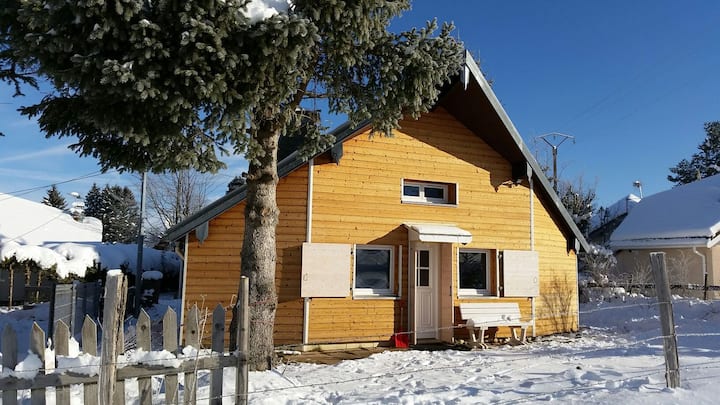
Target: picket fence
(180,366)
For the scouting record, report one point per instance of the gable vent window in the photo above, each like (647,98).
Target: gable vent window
(425,192)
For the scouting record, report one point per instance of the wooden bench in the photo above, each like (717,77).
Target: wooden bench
(483,316)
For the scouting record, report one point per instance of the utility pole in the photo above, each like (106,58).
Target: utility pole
(554,136)
(140,244)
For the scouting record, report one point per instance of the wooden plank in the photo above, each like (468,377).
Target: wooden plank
(142,329)
(37,347)
(9,361)
(192,338)
(667,323)
(188,366)
(243,330)
(113,313)
(89,346)
(62,343)
(170,343)
(218,338)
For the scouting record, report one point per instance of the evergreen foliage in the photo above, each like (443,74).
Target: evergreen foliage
(121,215)
(163,85)
(118,211)
(55,199)
(704,163)
(236,182)
(94,206)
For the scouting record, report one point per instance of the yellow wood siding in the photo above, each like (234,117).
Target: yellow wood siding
(557,307)
(358,201)
(213,266)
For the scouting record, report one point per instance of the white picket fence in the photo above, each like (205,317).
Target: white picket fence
(179,371)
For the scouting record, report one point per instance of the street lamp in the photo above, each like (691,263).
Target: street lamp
(638,185)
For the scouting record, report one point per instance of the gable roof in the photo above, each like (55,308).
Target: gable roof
(469,99)
(684,216)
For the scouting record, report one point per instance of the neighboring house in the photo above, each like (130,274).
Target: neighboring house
(25,227)
(683,222)
(608,219)
(379,235)
(32,223)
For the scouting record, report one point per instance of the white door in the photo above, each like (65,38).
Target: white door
(426,269)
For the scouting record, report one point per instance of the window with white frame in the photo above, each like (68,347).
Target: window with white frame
(428,192)
(374,270)
(473,272)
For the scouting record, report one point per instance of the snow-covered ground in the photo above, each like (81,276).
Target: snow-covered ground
(616,358)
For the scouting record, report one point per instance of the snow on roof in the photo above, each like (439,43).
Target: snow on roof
(620,207)
(31,223)
(687,215)
(51,237)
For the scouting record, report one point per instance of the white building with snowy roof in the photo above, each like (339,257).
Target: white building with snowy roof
(683,222)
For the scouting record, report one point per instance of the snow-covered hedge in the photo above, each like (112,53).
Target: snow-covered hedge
(76,258)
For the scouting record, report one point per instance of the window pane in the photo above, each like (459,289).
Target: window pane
(473,270)
(434,192)
(411,191)
(372,268)
(423,277)
(424,258)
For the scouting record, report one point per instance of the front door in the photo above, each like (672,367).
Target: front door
(426,270)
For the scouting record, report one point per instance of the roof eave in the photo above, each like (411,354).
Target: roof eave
(663,243)
(229,200)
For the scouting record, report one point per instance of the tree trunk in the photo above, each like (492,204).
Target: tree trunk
(258,251)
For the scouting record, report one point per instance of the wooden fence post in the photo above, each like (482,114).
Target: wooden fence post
(142,329)
(217,347)
(192,338)
(89,346)
(61,341)
(9,361)
(37,346)
(662,288)
(113,313)
(243,315)
(170,343)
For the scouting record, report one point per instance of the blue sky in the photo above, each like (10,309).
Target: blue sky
(632,82)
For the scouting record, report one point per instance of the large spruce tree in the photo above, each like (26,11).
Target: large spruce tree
(705,162)
(165,84)
(121,216)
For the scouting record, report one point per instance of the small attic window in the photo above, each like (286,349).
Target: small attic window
(428,192)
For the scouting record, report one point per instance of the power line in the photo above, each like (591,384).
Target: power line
(25,191)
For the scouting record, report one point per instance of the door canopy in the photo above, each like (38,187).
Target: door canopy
(440,233)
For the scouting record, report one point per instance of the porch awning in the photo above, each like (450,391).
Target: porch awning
(442,233)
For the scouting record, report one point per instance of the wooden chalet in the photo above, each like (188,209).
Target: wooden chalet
(380,235)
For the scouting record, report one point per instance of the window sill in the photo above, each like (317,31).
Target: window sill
(376,297)
(476,296)
(434,204)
